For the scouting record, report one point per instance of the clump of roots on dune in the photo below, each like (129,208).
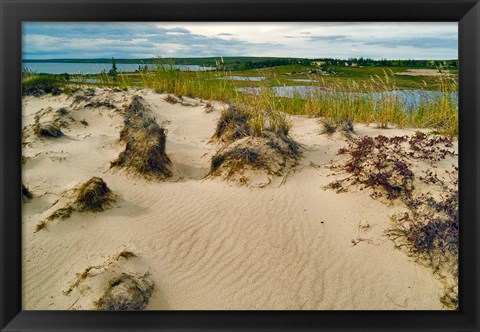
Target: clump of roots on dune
(255,140)
(126,292)
(145,140)
(93,195)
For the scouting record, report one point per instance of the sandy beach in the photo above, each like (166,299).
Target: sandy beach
(206,242)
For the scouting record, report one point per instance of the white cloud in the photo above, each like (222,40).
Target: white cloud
(302,39)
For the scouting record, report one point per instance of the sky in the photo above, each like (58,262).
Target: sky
(405,40)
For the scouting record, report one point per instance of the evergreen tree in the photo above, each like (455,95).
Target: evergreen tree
(113,72)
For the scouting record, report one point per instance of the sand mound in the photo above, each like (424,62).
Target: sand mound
(126,292)
(93,195)
(272,153)
(145,143)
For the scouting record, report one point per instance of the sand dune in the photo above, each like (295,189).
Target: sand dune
(204,242)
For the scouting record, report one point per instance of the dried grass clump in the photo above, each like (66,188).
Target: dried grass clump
(145,143)
(233,124)
(274,153)
(47,130)
(240,155)
(62,111)
(330,126)
(126,292)
(100,103)
(62,213)
(93,195)
(171,99)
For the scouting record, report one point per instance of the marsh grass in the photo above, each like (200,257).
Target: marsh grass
(360,101)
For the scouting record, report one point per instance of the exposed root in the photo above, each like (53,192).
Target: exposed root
(126,292)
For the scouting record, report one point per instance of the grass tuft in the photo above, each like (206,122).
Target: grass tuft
(145,143)
(93,195)
(232,125)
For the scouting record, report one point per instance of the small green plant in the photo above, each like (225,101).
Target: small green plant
(113,72)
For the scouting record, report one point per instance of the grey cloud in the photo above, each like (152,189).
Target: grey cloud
(426,43)
(332,38)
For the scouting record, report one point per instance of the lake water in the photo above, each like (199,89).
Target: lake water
(243,78)
(410,98)
(95,68)
(302,80)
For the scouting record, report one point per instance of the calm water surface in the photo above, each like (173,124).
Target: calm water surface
(95,68)
(411,98)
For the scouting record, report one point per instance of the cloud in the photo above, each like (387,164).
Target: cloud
(282,39)
(430,43)
(333,38)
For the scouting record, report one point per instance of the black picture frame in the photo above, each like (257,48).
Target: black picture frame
(13,12)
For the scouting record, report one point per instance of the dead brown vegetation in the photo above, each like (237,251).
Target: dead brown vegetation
(93,195)
(145,143)
(232,125)
(126,292)
(274,153)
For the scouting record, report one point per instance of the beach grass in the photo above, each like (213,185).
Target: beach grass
(353,97)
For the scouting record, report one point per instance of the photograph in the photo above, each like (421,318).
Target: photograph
(240,166)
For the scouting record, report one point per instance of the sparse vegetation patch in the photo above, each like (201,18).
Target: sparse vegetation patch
(428,231)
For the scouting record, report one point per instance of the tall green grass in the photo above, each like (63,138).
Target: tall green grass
(350,100)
